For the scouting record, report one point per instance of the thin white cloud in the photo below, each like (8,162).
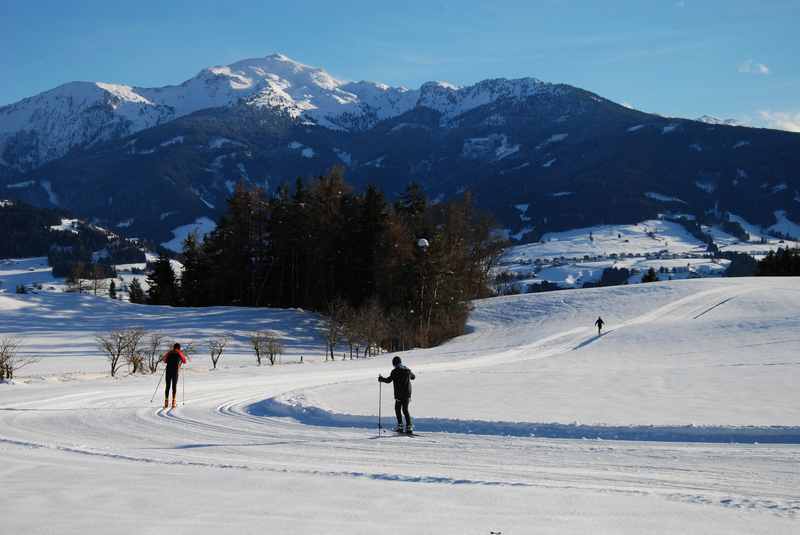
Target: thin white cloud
(781,120)
(750,66)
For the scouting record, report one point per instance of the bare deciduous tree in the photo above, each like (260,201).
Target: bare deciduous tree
(259,342)
(10,359)
(373,325)
(98,281)
(76,281)
(152,351)
(216,346)
(274,347)
(116,346)
(133,354)
(338,311)
(352,332)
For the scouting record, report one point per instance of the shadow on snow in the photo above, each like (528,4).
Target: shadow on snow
(657,433)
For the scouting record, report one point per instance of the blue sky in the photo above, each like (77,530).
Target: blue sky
(732,59)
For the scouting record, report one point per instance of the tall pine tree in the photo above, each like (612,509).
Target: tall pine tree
(163,284)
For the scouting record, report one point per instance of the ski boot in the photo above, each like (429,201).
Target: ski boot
(173,403)
(399,429)
(409,429)
(166,403)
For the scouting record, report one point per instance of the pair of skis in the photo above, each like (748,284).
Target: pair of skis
(396,434)
(380,427)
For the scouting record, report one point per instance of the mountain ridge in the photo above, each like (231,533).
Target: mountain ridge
(576,158)
(48,125)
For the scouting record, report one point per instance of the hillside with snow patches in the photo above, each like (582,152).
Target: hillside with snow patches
(681,417)
(575,158)
(579,256)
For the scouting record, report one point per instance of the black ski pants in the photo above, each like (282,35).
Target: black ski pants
(400,409)
(170,378)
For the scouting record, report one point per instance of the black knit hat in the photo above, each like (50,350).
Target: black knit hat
(396,361)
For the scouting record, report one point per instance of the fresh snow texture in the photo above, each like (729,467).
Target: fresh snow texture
(547,427)
(673,354)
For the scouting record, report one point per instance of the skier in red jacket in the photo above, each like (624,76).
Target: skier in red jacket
(173,359)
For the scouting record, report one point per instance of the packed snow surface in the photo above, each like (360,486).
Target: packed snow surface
(528,423)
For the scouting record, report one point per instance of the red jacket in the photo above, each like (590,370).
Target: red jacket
(165,357)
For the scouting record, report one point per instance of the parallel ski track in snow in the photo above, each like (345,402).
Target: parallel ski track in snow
(236,423)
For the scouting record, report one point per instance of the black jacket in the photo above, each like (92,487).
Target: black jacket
(401,377)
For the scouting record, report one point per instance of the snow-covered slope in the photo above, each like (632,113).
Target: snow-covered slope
(301,439)
(705,352)
(46,126)
(290,447)
(651,236)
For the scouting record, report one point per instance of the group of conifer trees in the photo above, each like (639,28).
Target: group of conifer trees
(783,262)
(323,243)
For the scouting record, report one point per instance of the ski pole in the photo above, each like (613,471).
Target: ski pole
(160,377)
(380,394)
(183,387)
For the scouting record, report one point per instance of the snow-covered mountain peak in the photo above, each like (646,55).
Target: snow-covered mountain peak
(453,101)
(48,125)
(709,119)
(123,93)
(278,66)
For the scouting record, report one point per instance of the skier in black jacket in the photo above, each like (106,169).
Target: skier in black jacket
(401,377)
(174,359)
(599,324)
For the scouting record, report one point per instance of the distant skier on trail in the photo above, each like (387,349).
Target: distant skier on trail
(599,324)
(401,376)
(174,359)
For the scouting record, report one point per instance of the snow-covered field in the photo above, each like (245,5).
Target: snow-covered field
(575,257)
(520,421)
